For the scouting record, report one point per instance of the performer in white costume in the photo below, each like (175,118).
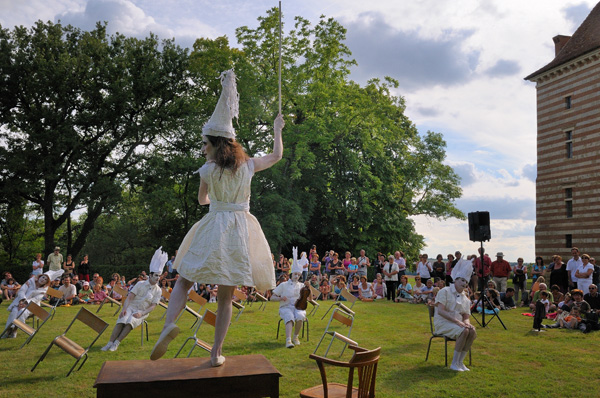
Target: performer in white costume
(32,290)
(140,302)
(288,293)
(452,313)
(227,246)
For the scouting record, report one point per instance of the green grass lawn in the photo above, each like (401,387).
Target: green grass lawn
(512,363)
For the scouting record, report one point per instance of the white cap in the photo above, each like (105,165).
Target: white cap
(296,267)
(159,259)
(462,269)
(220,123)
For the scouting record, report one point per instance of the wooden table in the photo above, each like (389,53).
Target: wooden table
(240,376)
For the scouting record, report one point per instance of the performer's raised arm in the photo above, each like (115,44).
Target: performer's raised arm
(270,159)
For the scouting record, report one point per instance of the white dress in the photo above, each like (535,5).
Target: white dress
(227,246)
(145,295)
(457,304)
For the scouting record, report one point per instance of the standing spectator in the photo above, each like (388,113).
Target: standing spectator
(285,267)
(449,266)
(378,263)
(38,265)
(363,263)
(390,272)
(55,260)
(303,262)
(520,280)
(279,267)
(313,250)
(538,269)
(483,272)
(69,266)
(572,266)
(584,274)
(352,268)
(335,266)
(315,266)
(423,268)
(84,269)
(593,298)
(500,271)
(170,265)
(400,262)
(439,268)
(596,274)
(346,262)
(559,275)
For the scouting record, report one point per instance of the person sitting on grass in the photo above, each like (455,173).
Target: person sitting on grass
(538,295)
(69,293)
(572,320)
(426,293)
(544,300)
(405,290)
(86,295)
(324,288)
(366,292)
(379,287)
(354,286)
(99,292)
(556,295)
(339,285)
(508,299)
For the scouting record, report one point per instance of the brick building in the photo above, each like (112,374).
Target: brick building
(568,144)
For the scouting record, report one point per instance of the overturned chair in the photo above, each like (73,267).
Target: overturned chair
(36,312)
(208,317)
(342,319)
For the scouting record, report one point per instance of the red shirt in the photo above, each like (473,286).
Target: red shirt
(501,268)
(487,263)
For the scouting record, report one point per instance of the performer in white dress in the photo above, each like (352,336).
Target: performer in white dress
(32,290)
(140,302)
(227,246)
(452,313)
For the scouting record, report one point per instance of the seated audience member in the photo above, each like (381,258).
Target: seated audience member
(324,288)
(556,295)
(94,280)
(86,295)
(579,302)
(202,290)
(69,293)
(314,281)
(426,293)
(6,292)
(214,289)
(418,287)
(508,299)
(99,292)
(379,287)
(593,298)
(537,296)
(339,285)
(77,283)
(434,292)
(404,290)
(354,286)
(493,302)
(572,320)
(544,300)
(491,285)
(366,292)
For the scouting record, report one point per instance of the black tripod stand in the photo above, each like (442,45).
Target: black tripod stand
(485,302)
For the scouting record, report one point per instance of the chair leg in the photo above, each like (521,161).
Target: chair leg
(278,324)
(118,309)
(194,324)
(82,363)
(428,348)
(4,332)
(469,357)
(43,356)
(100,307)
(53,312)
(73,367)
(319,344)
(191,349)
(323,317)
(446,350)
(184,343)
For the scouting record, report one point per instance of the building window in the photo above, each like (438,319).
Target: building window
(568,241)
(568,102)
(569,143)
(569,202)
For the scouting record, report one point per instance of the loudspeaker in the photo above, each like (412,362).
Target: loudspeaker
(479,226)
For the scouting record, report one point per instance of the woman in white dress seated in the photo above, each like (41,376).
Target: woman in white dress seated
(452,314)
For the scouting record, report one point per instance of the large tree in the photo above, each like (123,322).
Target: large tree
(79,111)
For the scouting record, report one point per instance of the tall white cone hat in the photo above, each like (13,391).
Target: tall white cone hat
(220,123)
(159,259)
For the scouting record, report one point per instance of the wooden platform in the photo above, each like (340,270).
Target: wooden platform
(240,376)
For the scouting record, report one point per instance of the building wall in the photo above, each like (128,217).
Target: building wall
(579,79)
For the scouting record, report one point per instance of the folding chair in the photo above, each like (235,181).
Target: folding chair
(304,323)
(345,319)
(167,296)
(198,299)
(208,317)
(54,294)
(240,307)
(315,293)
(120,291)
(434,335)
(71,347)
(259,298)
(37,312)
(364,360)
(339,303)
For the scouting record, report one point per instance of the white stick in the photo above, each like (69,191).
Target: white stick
(280,57)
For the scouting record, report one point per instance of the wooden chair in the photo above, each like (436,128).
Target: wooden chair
(346,320)
(70,346)
(164,304)
(198,299)
(315,293)
(238,304)
(365,361)
(121,292)
(431,310)
(37,312)
(256,296)
(54,294)
(350,299)
(208,317)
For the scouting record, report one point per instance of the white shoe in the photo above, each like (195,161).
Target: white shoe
(296,340)
(107,346)
(218,361)
(289,344)
(13,335)
(456,368)
(457,362)
(114,346)
(461,363)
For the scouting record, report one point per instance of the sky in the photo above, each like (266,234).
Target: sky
(460,65)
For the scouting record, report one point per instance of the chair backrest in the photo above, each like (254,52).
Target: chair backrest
(239,295)
(38,311)
(349,296)
(166,294)
(366,362)
(337,315)
(209,317)
(91,320)
(315,292)
(196,298)
(120,291)
(54,293)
